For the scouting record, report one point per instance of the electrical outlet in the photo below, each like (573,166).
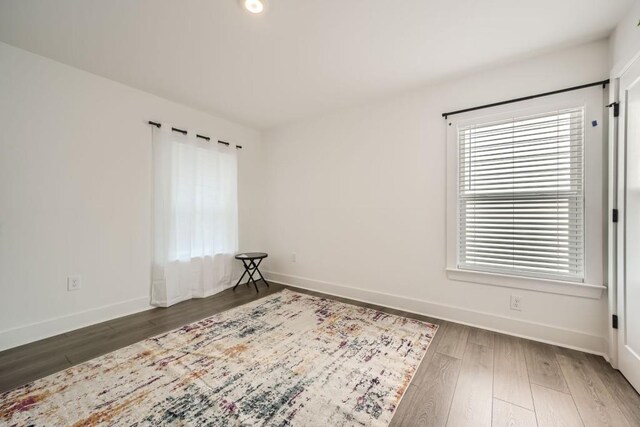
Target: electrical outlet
(516,303)
(294,257)
(74,283)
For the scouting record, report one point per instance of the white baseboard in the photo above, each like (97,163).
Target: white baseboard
(36,331)
(549,334)
(26,334)
(576,340)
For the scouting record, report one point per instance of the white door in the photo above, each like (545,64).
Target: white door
(629,228)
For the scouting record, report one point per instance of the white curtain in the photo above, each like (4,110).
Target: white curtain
(195,217)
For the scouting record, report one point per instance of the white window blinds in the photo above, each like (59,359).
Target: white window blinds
(520,196)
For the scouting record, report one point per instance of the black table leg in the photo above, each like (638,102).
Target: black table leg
(251,269)
(241,277)
(260,274)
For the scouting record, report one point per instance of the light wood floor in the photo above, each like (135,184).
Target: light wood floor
(469,376)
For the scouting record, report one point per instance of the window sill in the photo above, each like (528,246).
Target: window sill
(531,284)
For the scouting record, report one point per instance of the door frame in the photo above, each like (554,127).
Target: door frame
(613,266)
(616,200)
(615,193)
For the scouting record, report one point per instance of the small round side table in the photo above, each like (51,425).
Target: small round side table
(251,266)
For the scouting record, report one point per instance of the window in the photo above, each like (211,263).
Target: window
(203,195)
(521,196)
(195,217)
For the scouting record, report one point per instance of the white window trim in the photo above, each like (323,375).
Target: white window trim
(592,99)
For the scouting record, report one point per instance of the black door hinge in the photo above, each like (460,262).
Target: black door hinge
(614,216)
(616,108)
(614,321)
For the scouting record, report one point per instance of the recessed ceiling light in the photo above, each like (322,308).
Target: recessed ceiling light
(253,6)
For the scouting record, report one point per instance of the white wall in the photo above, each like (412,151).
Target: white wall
(360,197)
(625,39)
(75,193)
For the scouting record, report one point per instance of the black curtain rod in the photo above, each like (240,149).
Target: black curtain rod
(602,83)
(184,132)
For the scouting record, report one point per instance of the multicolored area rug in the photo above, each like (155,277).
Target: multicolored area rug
(287,359)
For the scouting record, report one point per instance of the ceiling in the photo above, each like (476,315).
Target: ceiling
(301,57)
